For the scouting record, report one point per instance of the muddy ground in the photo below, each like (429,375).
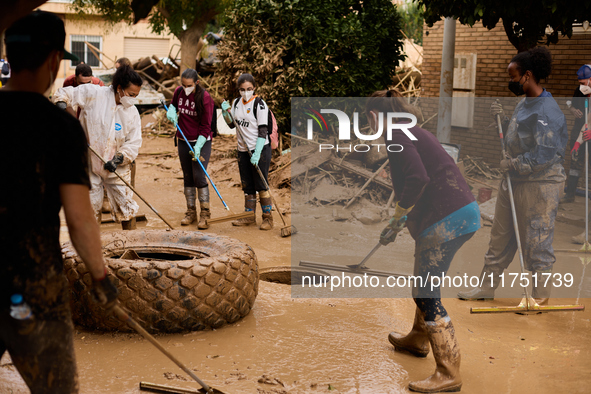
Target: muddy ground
(288,345)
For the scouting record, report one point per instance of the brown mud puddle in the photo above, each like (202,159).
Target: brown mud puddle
(330,345)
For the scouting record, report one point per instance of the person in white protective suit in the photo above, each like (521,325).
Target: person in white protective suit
(113,128)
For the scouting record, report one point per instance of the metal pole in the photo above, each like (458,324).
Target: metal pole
(513,211)
(586,174)
(446,83)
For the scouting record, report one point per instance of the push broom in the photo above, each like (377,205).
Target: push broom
(527,304)
(286,230)
(225,218)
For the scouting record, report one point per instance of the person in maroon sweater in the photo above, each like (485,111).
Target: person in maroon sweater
(435,203)
(192,108)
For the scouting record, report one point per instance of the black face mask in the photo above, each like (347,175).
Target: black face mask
(516,88)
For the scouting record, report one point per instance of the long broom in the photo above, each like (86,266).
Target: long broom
(225,218)
(286,230)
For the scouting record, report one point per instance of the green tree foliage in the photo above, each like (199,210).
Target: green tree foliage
(412,21)
(524,21)
(310,48)
(185,19)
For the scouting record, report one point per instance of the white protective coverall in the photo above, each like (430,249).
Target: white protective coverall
(110,128)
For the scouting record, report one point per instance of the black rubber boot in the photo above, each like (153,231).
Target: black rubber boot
(487,290)
(571,188)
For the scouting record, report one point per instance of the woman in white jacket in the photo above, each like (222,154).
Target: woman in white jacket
(113,129)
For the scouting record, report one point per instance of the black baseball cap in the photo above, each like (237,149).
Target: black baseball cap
(39,31)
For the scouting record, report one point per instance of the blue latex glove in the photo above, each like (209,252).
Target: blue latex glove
(172,115)
(226,112)
(201,140)
(256,156)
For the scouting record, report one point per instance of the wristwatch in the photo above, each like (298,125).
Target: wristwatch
(569,104)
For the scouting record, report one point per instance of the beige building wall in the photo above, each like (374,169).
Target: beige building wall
(115,39)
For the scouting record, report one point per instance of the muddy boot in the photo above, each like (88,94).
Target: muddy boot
(266,206)
(447,358)
(191,214)
(487,291)
(541,293)
(579,239)
(250,205)
(128,224)
(416,342)
(204,213)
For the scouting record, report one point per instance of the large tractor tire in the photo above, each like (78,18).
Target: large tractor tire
(171,281)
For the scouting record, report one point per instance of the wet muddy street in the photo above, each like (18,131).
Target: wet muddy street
(336,345)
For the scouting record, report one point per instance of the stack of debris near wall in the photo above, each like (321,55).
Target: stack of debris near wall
(164,77)
(328,178)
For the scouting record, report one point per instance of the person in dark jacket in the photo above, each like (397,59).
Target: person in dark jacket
(441,215)
(535,143)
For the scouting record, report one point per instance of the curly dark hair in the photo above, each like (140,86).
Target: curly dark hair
(538,60)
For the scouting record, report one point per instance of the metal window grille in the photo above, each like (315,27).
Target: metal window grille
(80,49)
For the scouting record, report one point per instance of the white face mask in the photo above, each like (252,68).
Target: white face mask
(247,95)
(190,90)
(585,89)
(127,101)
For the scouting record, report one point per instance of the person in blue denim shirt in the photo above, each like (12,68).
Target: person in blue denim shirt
(535,143)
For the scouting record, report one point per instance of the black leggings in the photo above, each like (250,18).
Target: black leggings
(193,175)
(249,176)
(434,261)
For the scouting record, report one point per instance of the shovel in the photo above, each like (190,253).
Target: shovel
(124,317)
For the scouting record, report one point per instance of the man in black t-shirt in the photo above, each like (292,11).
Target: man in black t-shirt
(46,162)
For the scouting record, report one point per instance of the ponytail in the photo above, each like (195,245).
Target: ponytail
(125,76)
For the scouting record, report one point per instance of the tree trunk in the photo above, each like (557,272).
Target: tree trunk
(190,40)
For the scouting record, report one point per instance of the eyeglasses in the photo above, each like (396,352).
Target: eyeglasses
(245,90)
